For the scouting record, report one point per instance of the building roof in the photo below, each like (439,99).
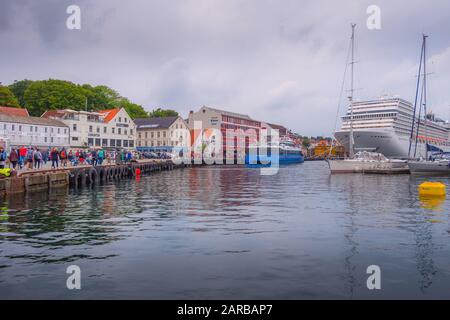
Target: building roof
(13,111)
(109,114)
(228,113)
(31,120)
(155,123)
(277,126)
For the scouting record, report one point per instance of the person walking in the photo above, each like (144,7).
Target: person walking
(37,156)
(45,156)
(3,157)
(100,156)
(13,158)
(29,158)
(54,156)
(94,156)
(22,156)
(63,157)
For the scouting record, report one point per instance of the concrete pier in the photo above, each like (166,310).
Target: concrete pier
(79,176)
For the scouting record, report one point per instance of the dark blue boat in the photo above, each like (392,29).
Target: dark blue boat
(262,156)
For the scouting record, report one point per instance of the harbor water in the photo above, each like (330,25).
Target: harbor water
(227,232)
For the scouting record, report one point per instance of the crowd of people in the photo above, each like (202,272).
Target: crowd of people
(35,158)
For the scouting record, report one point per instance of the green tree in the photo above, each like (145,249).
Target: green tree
(101,97)
(134,110)
(54,94)
(18,88)
(161,113)
(7,98)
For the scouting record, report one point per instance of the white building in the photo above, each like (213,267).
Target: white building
(103,129)
(44,133)
(160,134)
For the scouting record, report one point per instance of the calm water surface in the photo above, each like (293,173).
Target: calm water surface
(228,232)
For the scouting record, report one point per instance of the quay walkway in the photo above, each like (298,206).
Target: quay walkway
(33,180)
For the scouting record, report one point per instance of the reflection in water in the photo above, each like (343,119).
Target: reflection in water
(228,232)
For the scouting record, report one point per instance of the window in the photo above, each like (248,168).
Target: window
(164,134)
(90,128)
(45,139)
(51,130)
(31,128)
(74,127)
(104,129)
(152,135)
(98,129)
(35,129)
(113,130)
(51,139)
(90,142)
(139,135)
(58,130)
(104,142)
(119,131)
(131,131)
(4,126)
(97,142)
(125,119)
(158,134)
(112,143)
(20,128)
(146,135)
(124,131)
(125,143)
(12,127)
(65,131)
(120,119)
(74,138)
(119,142)
(131,144)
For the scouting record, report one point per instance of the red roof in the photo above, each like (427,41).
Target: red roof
(52,113)
(12,111)
(110,114)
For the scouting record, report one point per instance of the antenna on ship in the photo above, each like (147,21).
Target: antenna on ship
(350,98)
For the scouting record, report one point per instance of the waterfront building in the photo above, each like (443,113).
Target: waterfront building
(247,130)
(160,134)
(108,129)
(17,128)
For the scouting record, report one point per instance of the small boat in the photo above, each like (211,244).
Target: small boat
(368,162)
(439,164)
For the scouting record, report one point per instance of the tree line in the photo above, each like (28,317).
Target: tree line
(42,95)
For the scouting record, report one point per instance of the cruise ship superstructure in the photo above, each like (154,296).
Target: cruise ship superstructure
(384,126)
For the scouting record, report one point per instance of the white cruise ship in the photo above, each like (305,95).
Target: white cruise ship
(384,126)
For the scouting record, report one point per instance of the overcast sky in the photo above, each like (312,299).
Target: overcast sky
(280,61)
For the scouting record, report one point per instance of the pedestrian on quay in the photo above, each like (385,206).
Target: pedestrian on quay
(94,157)
(81,156)
(37,159)
(13,158)
(63,157)
(71,157)
(100,156)
(3,157)
(45,156)
(22,156)
(54,156)
(129,156)
(29,158)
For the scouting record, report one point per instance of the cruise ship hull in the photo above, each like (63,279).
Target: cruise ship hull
(386,142)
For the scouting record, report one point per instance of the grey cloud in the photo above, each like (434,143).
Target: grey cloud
(275,60)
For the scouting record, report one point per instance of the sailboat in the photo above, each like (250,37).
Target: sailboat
(363,161)
(438,162)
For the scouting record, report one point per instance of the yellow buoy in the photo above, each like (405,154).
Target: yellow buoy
(432,189)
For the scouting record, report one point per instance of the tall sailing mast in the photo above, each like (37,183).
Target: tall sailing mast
(350,98)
